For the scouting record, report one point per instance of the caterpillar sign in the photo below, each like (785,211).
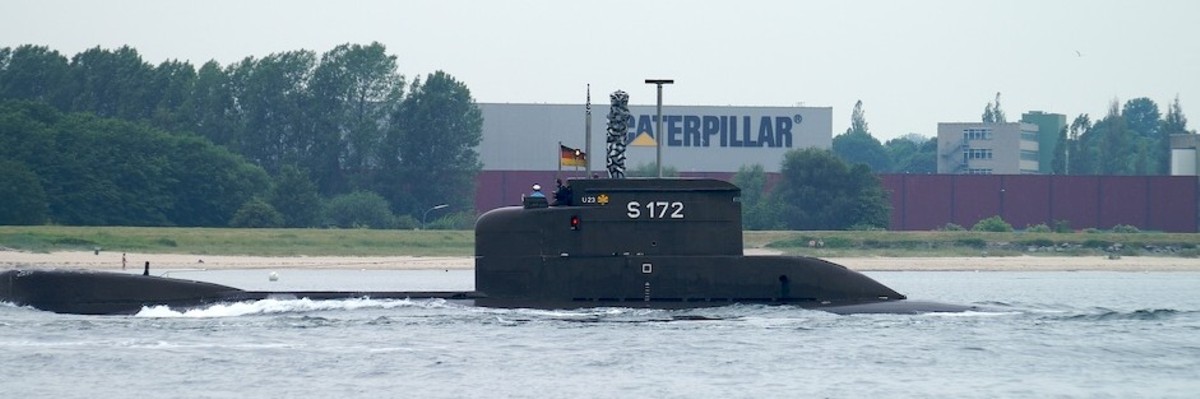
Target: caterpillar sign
(695,138)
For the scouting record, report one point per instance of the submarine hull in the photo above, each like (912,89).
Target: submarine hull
(672,282)
(660,243)
(92,292)
(107,293)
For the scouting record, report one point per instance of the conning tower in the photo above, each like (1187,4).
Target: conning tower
(646,242)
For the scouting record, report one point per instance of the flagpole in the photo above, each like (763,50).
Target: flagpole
(587,139)
(558,157)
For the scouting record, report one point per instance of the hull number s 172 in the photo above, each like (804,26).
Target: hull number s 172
(655,210)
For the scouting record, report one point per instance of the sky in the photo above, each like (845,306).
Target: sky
(912,63)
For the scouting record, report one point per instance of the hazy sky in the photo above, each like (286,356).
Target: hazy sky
(912,63)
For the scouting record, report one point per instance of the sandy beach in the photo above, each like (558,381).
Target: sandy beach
(112,261)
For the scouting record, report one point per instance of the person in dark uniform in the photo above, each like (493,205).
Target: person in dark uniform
(562,194)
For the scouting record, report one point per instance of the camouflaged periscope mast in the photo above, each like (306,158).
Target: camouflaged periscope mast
(656,243)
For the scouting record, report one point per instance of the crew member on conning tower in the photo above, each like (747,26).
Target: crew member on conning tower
(535,199)
(562,194)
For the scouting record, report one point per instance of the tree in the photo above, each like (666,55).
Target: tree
(912,153)
(992,112)
(33,73)
(1153,155)
(858,120)
(1073,155)
(1059,164)
(98,171)
(270,96)
(209,183)
(1106,145)
(169,89)
(432,143)
(111,84)
(857,145)
(1175,122)
(24,200)
(818,191)
(355,88)
(210,107)
(1142,116)
(756,210)
(295,197)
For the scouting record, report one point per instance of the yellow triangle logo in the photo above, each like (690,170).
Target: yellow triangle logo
(643,139)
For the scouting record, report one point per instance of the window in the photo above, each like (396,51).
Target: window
(1029,136)
(1029,155)
(977,153)
(979,171)
(977,134)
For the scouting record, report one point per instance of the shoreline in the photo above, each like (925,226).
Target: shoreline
(136,261)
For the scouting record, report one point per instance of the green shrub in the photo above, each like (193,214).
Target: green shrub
(405,222)
(1038,228)
(1062,226)
(256,213)
(952,227)
(1094,243)
(993,224)
(360,209)
(1125,229)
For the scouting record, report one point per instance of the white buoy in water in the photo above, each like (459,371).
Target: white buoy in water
(273,276)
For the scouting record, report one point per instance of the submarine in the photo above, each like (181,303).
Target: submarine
(603,242)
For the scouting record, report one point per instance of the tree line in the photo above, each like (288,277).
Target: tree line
(1133,139)
(344,122)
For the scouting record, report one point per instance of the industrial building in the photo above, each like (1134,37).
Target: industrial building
(988,148)
(520,142)
(1018,148)
(1050,126)
(1184,161)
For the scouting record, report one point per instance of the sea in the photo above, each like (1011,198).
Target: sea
(1036,335)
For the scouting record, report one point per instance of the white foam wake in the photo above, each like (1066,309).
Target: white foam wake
(276,306)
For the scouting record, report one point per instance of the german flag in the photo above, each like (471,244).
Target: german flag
(571,156)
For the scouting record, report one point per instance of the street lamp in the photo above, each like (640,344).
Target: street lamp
(658,132)
(425,216)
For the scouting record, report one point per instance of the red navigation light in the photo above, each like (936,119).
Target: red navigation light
(574,222)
